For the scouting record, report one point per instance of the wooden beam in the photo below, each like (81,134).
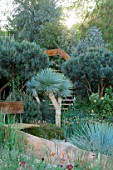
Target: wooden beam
(57,52)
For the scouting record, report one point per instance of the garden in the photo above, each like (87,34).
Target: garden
(56,85)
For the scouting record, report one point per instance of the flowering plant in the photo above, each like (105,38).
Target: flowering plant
(102,105)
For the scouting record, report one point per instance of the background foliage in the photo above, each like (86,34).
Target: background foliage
(23,59)
(37,20)
(91,71)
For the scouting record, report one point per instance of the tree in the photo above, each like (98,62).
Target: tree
(102,17)
(93,39)
(67,40)
(23,59)
(37,20)
(54,85)
(91,71)
(99,14)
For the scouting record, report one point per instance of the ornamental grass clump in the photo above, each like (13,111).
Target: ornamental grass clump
(96,137)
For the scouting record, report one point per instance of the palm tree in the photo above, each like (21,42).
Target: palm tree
(54,85)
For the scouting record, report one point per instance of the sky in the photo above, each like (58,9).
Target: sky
(5,5)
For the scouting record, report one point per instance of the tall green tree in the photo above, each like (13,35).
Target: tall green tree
(23,59)
(37,20)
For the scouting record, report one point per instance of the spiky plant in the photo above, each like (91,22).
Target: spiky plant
(54,85)
(95,137)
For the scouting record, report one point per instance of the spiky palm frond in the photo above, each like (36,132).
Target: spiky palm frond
(33,83)
(48,77)
(65,88)
(49,81)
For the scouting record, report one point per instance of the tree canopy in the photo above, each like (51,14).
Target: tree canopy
(93,39)
(97,13)
(91,71)
(37,20)
(23,59)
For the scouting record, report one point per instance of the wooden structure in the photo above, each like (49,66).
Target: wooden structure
(15,107)
(68,100)
(57,52)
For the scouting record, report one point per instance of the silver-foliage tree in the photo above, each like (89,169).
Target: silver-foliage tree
(54,85)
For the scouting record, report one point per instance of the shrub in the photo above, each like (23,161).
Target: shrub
(32,111)
(102,105)
(95,137)
(21,60)
(91,72)
(48,112)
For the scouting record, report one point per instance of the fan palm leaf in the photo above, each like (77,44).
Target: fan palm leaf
(49,81)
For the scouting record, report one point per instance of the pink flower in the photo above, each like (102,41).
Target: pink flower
(100,119)
(23,163)
(69,167)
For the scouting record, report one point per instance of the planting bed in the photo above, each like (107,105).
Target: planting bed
(47,131)
(57,152)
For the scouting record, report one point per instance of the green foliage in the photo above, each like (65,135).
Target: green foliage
(100,15)
(102,18)
(46,131)
(49,81)
(77,112)
(68,40)
(9,137)
(37,20)
(2,123)
(95,137)
(93,39)
(91,71)
(31,112)
(56,62)
(23,59)
(48,112)
(102,105)
(93,109)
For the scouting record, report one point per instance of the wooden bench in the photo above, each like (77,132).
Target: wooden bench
(15,107)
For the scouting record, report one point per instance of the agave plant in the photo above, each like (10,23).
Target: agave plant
(54,85)
(96,137)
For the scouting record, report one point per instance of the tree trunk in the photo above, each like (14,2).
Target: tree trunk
(35,94)
(4,86)
(57,107)
(58,117)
